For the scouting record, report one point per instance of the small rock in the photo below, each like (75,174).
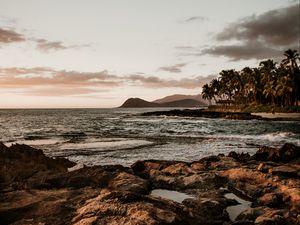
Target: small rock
(285,170)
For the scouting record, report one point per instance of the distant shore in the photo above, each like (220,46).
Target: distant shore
(278,115)
(206,113)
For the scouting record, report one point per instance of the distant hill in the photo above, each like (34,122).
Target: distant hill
(172,98)
(140,103)
(183,103)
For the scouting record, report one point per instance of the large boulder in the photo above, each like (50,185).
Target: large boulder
(286,153)
(18,163)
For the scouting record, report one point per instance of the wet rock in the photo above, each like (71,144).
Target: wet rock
(19,163)
(115,207)
(120,195)
(271,217)
(208,210)
(285,171)
(240,157)
(286,153)
(128,182)
(274,200)
(114,177)
(223,164)
(251,214)
(178,169)
(42,206)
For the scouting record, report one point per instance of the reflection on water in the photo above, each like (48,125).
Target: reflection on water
(235,210)
(173,195)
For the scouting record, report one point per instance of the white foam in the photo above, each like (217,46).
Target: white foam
(106,144)
(272,137)
(38,142)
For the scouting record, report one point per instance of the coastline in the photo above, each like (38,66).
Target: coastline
(267,181)
(206,113)
(276,115)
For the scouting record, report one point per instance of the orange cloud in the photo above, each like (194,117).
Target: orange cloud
(45,81)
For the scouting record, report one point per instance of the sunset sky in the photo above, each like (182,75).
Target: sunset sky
(96,53)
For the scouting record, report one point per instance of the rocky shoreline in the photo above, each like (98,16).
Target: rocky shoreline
(216,114)
(35,189)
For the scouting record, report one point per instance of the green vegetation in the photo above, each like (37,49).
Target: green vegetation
(269,87)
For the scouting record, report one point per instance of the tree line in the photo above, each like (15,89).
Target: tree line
(270,83)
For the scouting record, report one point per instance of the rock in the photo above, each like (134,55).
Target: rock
(251,214)
(271,217)
(240,157)
(208,210)
(285,171)
(128,182)
(120,195)
(286,153)
(272,199)
(261,167)
(42,206)
(178,169)
(112,176)
(115,207)
(19,163)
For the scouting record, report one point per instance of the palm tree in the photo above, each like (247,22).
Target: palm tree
(207,93)
(284,90)
(269,83)
(215,88)
(267,69)
(290,63)
(291,59)
(270,91)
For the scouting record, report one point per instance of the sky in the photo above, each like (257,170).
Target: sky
(96,53)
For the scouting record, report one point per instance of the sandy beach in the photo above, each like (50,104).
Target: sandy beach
(278,115)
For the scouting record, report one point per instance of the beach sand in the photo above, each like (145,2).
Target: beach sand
(278,115)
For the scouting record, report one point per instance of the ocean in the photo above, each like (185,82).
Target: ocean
(123,136)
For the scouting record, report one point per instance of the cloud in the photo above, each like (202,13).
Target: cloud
(250,50)
(196,19)
(10,36)
(275,27)
(155,82)
(45,81)
(259,36)
(45,45)
(173,69)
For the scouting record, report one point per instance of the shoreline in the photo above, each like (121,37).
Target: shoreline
(278,115)
(268,180)
(205,113)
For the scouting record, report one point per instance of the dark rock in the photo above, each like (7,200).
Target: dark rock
(286,153)
(203,113)
(285,170)
(120,195)
(274,200)
(19,163)
(271,217)
(240,157)
(251,214)
(115,207)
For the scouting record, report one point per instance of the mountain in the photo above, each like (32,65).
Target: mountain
(182,103)
(172,98)
(140,103)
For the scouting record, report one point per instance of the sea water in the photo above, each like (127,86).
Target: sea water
(123,136)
